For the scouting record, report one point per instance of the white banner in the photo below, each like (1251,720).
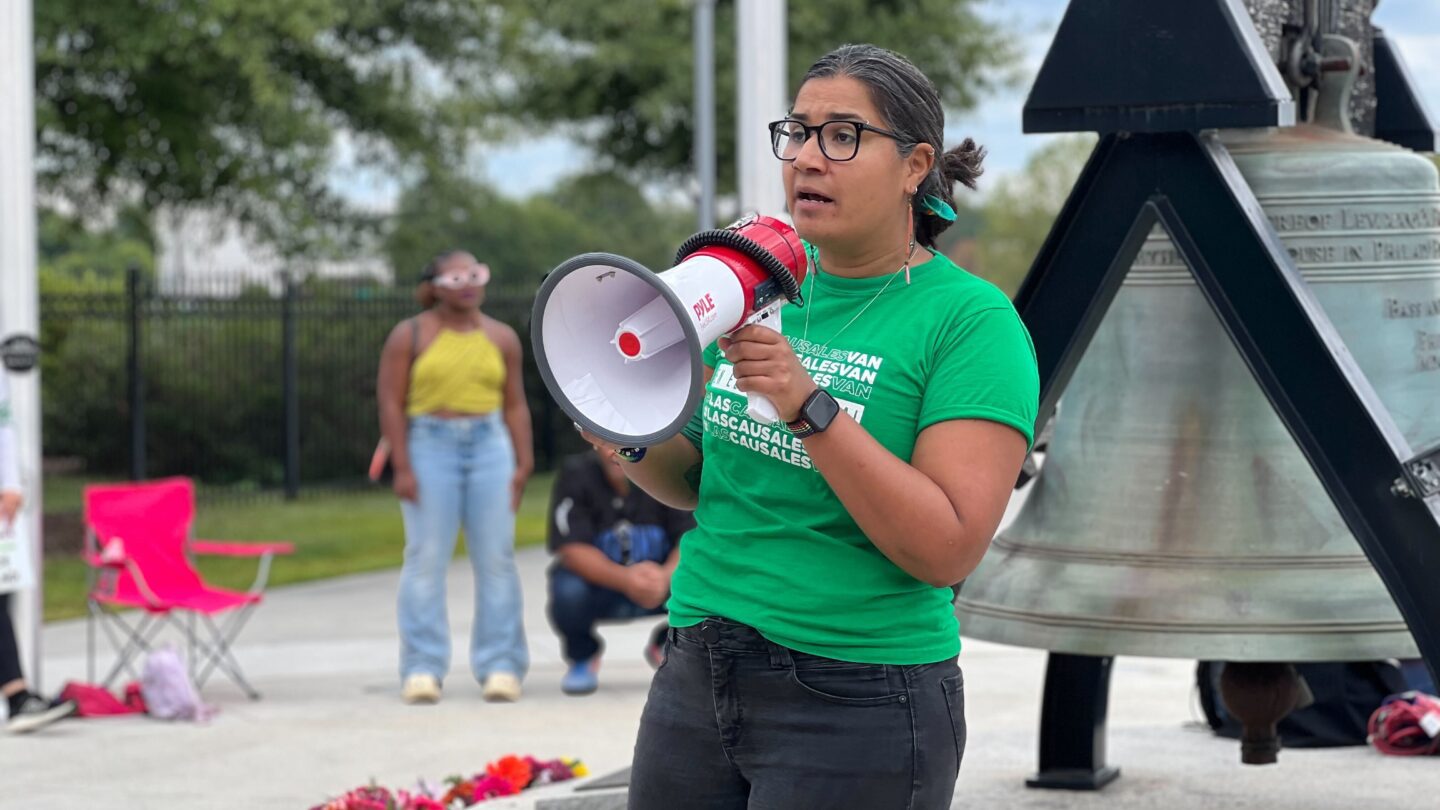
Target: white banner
(16,571)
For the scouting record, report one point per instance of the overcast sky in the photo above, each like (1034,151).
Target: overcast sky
(521,170)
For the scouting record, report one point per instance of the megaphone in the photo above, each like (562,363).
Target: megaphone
(620,346)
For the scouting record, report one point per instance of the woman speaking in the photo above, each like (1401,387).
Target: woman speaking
(813,647)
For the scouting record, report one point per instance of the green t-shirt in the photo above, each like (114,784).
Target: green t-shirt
(774,547)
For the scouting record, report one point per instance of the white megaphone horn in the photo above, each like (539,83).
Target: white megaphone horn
(620,347)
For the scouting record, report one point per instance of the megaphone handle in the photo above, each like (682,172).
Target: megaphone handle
(758,406)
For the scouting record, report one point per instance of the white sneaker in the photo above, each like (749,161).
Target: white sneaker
(37,713)
(421,688)
(502,687)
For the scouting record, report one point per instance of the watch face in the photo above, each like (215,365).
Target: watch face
(822,410)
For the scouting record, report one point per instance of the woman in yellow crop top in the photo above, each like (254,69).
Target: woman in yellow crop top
(452,409)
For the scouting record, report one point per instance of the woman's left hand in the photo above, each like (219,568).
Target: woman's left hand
(766,364)
(517,488)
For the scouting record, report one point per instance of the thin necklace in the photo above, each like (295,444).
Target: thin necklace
(905,268)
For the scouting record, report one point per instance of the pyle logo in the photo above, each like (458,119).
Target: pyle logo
(705,306)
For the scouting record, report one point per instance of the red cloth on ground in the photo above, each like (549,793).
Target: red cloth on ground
(134,698)
(96,701)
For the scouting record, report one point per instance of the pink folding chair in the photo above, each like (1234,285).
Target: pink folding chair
(139,545)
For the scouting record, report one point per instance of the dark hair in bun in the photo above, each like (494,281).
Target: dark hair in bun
(911,107)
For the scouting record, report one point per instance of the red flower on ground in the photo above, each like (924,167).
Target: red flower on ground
(512,769)
(493,787)
(506,776)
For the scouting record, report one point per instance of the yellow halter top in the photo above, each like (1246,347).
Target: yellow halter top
(461,372)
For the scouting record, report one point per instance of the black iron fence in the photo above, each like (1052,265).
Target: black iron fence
(265,388)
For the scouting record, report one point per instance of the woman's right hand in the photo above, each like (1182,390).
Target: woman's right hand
(10,502)
(404,485)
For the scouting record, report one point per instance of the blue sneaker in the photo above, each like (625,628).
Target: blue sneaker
(581,678)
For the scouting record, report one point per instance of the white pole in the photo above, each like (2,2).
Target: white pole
(705,110)
(19,296)
(761,27)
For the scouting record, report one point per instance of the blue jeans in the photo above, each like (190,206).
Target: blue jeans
(736,722)
(462,469)
(575,607)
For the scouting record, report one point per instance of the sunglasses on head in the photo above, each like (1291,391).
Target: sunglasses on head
(477,275)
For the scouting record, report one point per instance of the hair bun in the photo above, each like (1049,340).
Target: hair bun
(962,164)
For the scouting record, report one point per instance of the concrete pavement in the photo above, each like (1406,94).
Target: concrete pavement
(324,655)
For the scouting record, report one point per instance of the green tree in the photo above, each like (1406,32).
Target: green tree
(522,240)
(236,104)
(74,257)
(243,105)
(620,75)
(1019,212)
(617,218)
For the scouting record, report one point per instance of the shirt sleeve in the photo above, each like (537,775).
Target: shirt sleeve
(9,449)
(984,368)
(694,430)
(571,520)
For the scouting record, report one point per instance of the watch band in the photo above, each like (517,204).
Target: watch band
(801,428)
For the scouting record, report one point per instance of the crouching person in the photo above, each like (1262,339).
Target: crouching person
(615,548)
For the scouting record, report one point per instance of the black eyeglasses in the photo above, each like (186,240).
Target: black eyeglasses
(839,140)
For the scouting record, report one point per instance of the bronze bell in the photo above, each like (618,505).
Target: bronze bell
(1174,515)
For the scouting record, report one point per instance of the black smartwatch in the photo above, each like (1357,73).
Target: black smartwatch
(819,410)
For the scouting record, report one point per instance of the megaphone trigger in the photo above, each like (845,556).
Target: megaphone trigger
(758,406)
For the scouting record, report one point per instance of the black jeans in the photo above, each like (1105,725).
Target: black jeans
(9,652)
(734,721)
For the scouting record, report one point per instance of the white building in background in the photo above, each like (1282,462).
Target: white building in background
(204,251)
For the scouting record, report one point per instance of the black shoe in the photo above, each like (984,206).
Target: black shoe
(36,713)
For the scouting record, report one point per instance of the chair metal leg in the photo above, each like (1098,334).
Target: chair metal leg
(90,641)
(194,647)
(217,652)
(138,639)
(190,664)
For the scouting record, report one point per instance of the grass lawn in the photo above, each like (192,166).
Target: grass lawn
(334,534)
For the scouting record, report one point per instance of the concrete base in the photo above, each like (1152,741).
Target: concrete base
(609,792)
(613,799)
